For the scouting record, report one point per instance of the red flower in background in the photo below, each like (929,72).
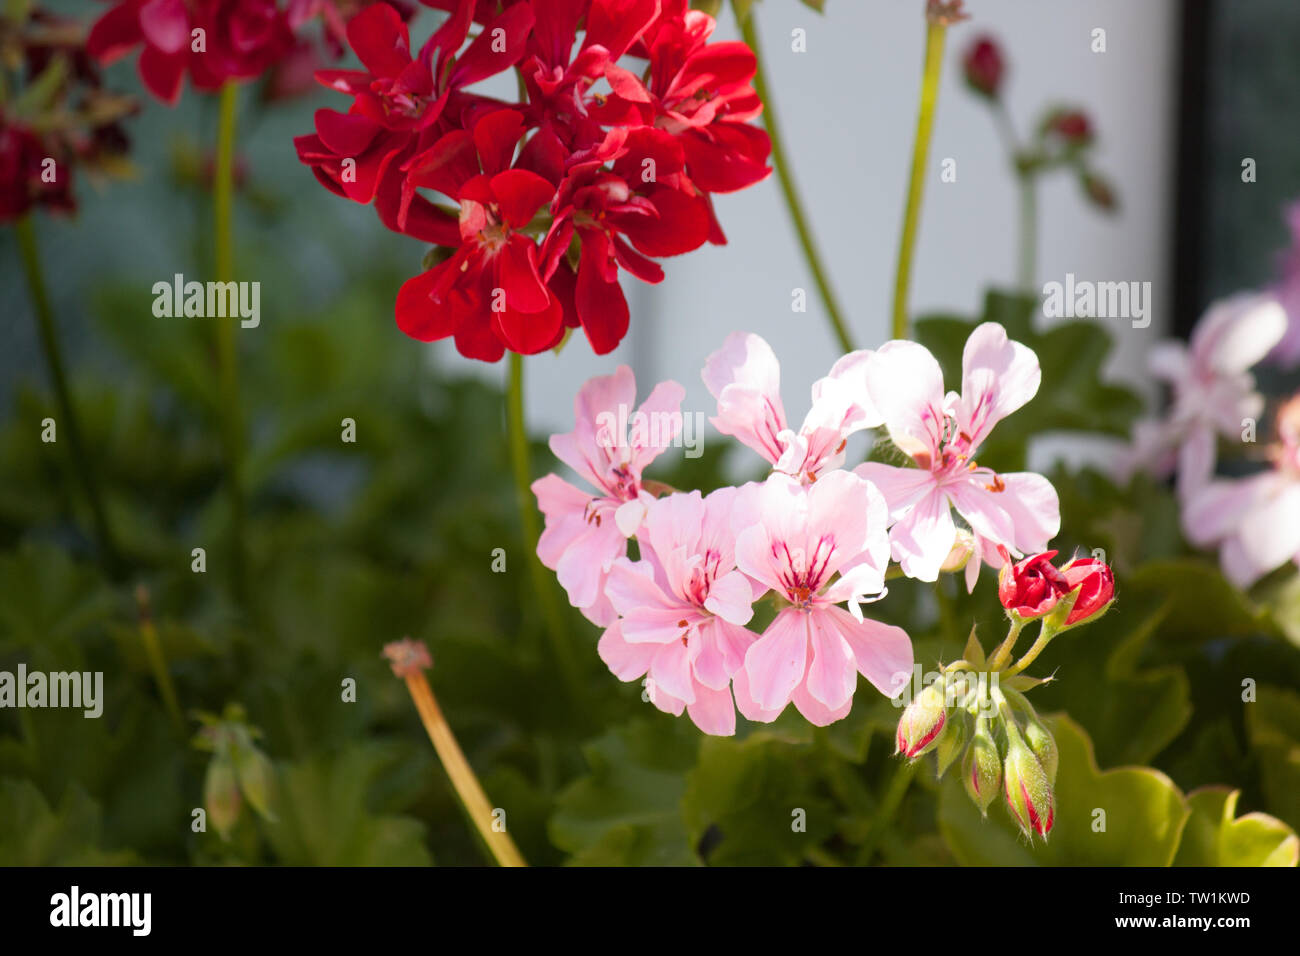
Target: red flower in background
(602,169)
(984,66)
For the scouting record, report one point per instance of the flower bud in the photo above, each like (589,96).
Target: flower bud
(922,721)
(1072,126)
(1030,589)
(221,794)
(963,546)
(1043,746)
(1093,584)
(981,770)
(984,67)
(1027,787)
(952,742)
(255,774)
(1100,192)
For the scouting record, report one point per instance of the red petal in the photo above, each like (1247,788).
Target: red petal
(493,51)
(165,25)
(682,225)
(517,273)
(601,305)
(520,194)
(446,165)
(380,40)
(162,73)
(616,24)
(496,136)
(114,34)
(345,133)
(530,332)
(417,314)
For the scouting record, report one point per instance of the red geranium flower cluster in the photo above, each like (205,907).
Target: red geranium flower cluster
(214,41)
(599,168)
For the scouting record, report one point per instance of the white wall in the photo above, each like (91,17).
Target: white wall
(848,107)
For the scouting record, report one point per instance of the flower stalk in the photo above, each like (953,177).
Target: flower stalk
(49,337)
(935,34)
(790,192)
(230,413)
(409,658)
(519,462)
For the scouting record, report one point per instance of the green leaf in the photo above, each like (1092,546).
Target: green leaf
(1144,814)
(1072,396)
(1216,836)
(32,834)
(1273,727)
(627,810)
(325,817)
(753,802)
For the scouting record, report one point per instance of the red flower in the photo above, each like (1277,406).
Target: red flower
(1031,588)
(1072,126)
(1095,583)
(984,67)
(213,40)
(489,294)
(557,194)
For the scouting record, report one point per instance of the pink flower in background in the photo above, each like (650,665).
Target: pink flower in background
(1019,511)
(794,538)
(587,531)
(745,377)
(1287,351)
(1254,521)
(1212,388)
(683,609)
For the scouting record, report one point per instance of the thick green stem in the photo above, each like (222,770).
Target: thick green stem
(781,163)
(230,412)
(554,620)
(934,41)
(54,362)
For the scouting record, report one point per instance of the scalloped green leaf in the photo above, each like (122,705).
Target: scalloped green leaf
(34,834)
(753,802)
(627,810)
(1142,811)
(1216,836)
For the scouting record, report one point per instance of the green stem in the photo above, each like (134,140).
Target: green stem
(934,39)
(1003,653)
(519,463)
(888,808)
(230,411)
(162,677)
(1028,231)
(781,163)
(54,362)
(1044,638)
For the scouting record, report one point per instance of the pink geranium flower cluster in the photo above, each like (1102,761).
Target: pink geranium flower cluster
(814,538)
(628,120)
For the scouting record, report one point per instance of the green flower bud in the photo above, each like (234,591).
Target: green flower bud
(221,794)
(952,742)
(1027,788)
(1040,740)
(256,775)
(981,770)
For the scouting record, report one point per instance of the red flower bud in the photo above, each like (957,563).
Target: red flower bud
(1095,583)
(1073,126)
(1030,589)
(984,67)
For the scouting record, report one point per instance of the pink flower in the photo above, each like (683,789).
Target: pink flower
(745,377)
(1212,387)
(585,531)
(682,609)
(1019,511)
(793,539)
(1255,521)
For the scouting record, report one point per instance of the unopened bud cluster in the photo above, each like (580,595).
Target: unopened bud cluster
(976,715)
(239,771)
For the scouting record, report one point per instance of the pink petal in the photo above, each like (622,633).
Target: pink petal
(998,377)
(881,652)
(832,675)
(922,538)
(626,661)
(907,388)
(713,712)
(775,662)
(730,597)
